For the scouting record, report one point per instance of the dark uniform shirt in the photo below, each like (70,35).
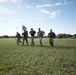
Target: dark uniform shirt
(25,34)
(51,34)
(41,33)
(18,35)
(32,33)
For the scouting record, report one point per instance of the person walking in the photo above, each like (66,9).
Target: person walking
(32,33)
(25,38)
(40,35)
(51,36)
(18,36)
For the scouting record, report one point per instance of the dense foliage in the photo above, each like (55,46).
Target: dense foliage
(57,36)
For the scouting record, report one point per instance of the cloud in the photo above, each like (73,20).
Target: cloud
(5,10)
(59,3)
(67,2)
(15,1)
(48,5)
(53,5)
(51,14)
(12,1)
(44,9)
(3,0)
(54,13)
(42,6)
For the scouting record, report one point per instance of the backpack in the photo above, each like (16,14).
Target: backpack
(41,33)
(52,34)
(25,34)
(32,33)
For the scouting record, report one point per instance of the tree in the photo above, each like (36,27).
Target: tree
(69,36)
(0,36)
(60,36)
(64,35)
(74,36)
(5,36)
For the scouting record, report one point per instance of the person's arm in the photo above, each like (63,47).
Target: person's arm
(48,35)
(43,32)
(20,35)
(54,35)
(35,32)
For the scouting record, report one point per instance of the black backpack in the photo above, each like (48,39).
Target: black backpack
(25,34)
(52,34)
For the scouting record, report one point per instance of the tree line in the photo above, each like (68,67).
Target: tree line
(57,36)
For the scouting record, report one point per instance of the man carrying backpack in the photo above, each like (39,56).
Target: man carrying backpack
(40,35)
(32,33)
(51,36)
(18,36)
(25,38)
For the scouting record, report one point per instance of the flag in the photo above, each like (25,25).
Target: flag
(24,28)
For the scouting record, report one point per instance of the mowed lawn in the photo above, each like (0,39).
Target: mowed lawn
(37,60)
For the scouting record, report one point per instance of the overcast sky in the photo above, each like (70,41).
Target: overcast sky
(58,15)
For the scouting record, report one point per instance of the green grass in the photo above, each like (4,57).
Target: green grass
(37,60)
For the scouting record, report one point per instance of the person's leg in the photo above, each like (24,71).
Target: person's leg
(41,41)
(17,41)
(26,40)
(23,41)
(33,40)
(51,41)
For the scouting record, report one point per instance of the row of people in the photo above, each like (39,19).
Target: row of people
(40,34)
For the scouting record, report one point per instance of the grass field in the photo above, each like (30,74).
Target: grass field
(37,60)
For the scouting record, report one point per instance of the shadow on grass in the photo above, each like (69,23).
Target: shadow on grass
(50,47)
(57,47)
(65,47)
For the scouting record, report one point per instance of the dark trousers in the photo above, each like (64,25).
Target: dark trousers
(18,41)
(25,39)
(51,41)
(32,40)
(40,38)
